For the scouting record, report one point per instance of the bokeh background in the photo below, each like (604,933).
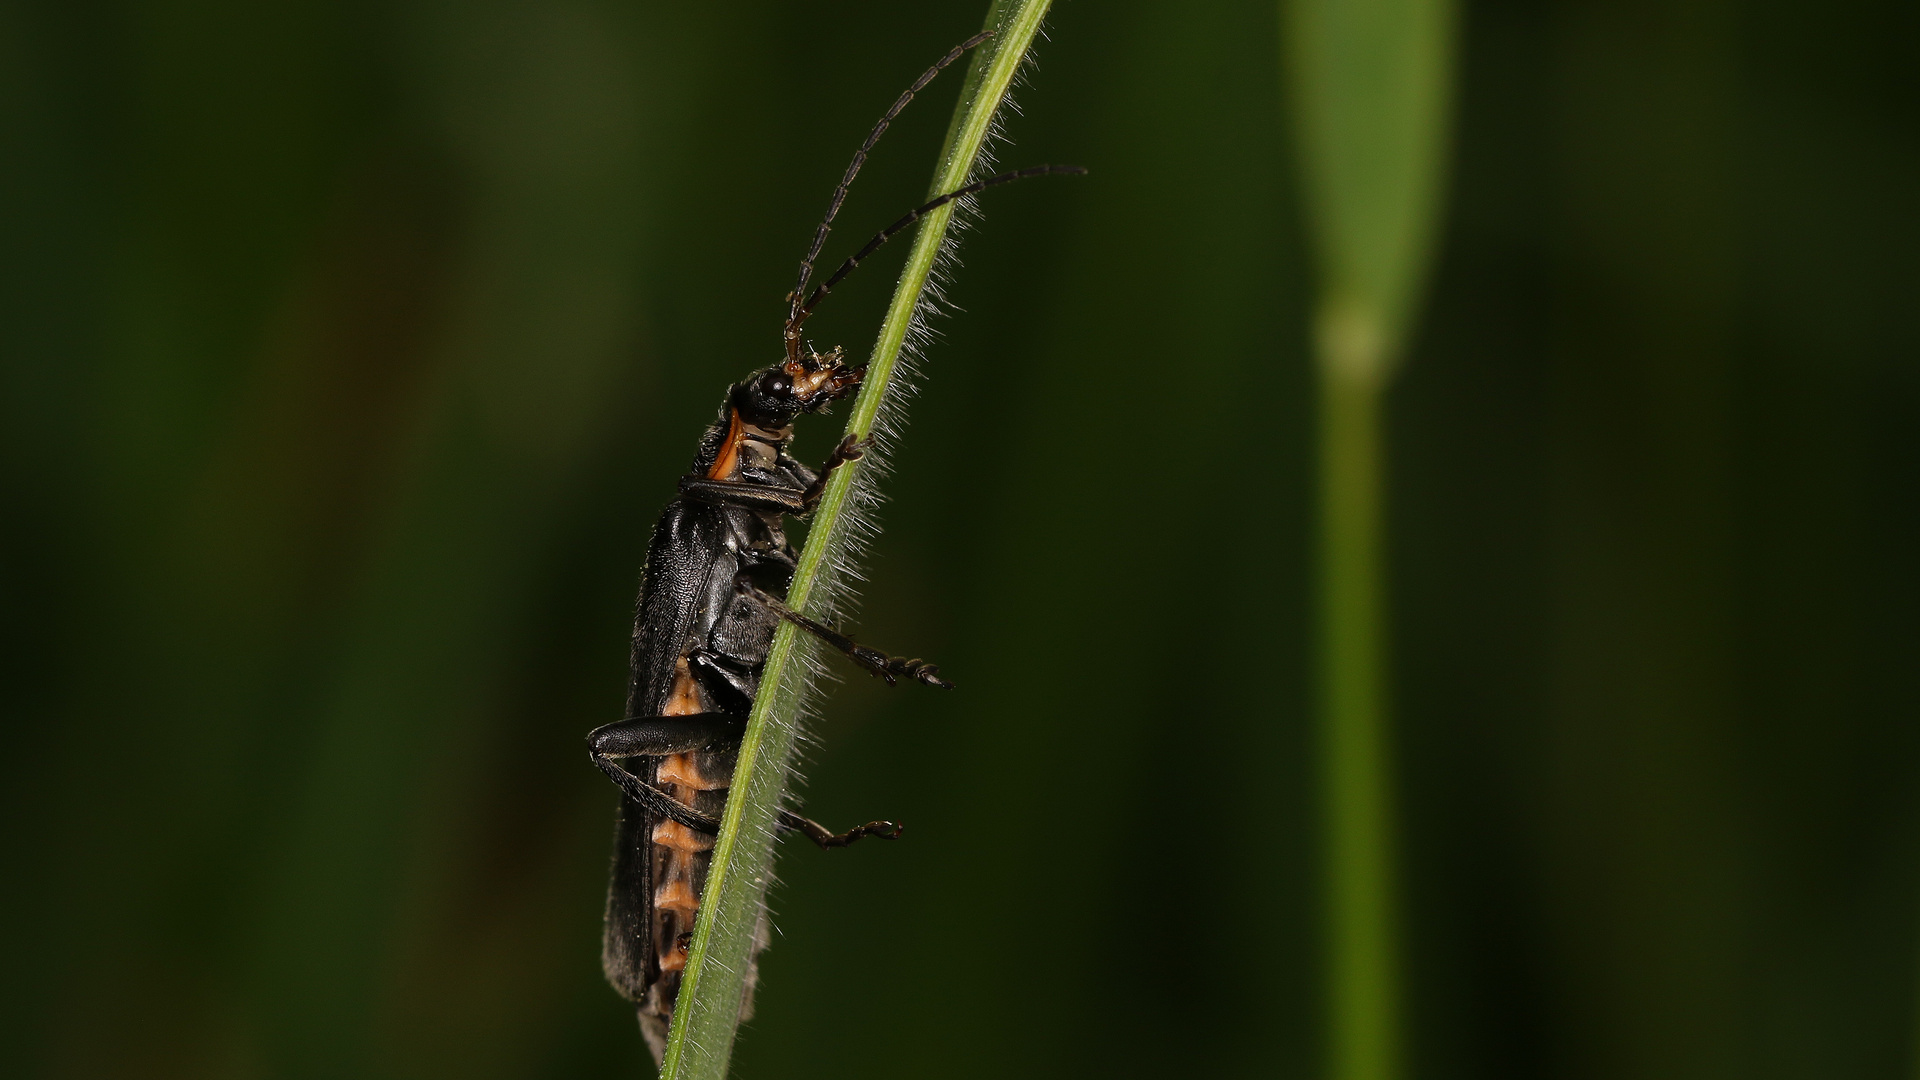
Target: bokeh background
(351,349)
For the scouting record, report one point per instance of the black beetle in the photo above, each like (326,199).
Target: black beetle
(711,594)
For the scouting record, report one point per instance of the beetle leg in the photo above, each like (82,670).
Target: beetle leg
(765,551)
(851,448)
(826,838)
(658,736)
(877,663)
(730,672)
(739,493)
(757,496)
(653,800)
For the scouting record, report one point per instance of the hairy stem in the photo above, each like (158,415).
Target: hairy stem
(715,981)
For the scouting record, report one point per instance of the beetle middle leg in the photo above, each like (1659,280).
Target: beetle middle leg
(877,663)
(743,493)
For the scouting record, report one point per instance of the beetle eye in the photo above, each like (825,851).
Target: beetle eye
(778,385)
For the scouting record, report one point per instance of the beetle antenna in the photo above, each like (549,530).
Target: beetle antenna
(802,310)
(853,170)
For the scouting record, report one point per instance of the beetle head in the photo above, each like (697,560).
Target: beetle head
(772,397)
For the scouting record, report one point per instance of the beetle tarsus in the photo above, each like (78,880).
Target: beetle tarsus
(827,839)
(851,448)
(877,663)
(893,668)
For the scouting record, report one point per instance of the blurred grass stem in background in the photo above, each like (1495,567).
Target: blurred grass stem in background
(1356,773)
(1369,83)
(707,1013)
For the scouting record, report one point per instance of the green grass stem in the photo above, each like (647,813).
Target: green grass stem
(714,984)
(1356,765)
(1369,88)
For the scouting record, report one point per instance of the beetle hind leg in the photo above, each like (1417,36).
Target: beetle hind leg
(659,736)
(827,839)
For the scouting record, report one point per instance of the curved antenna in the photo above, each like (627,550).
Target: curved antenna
(802,310)
(853,170)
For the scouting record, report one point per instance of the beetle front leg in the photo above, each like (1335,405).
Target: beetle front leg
(851,448)
(761,496)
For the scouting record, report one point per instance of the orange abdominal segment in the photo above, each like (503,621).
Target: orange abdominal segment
(677,896)
(672,834)
(680,854)
(685,698)
(681,769)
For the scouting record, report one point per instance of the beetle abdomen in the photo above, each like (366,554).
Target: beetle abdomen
(680,858)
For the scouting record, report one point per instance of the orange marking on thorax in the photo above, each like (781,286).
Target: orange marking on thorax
(729,456)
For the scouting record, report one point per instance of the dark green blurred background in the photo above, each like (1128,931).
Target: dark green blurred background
(351,349)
